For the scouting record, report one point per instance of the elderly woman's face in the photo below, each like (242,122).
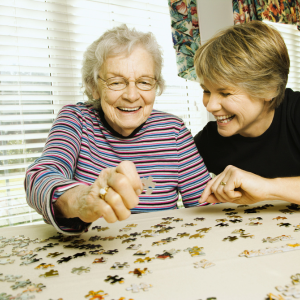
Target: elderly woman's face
(235,111)
(127,109)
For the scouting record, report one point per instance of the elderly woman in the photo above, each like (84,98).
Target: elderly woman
(254,145)
(97,152)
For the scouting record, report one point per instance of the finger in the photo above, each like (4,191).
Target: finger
(128,169)
(207,191)
(122,186)
(116,203)
(212,199)
(230,191)
(107,212)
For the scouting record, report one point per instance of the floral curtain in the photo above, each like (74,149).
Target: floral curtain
(185,27)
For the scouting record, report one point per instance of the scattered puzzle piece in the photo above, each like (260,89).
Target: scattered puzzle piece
(50,273)
(139,272)
(100,260)
(81,269)
(114,279)
(118,265)
(204,264)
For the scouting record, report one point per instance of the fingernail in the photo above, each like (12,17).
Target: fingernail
(138,192)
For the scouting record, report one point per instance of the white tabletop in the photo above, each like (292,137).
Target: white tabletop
(232,277)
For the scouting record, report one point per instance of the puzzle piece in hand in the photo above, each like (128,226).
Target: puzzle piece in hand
(148,184)
(119,266)
(50,273)
(114,279)
(20,284)
(81,269)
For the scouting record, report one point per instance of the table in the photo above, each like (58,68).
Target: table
(232,277)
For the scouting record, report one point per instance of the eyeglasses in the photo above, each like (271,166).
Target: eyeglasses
(120,83)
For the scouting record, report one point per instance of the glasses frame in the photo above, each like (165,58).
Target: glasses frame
(127,83)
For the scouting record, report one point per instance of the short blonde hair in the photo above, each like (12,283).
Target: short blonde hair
(116,41)
(252,56)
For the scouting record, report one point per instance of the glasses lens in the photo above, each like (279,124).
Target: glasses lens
(145,83)
(116,83)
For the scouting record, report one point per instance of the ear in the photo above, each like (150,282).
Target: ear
(271,95)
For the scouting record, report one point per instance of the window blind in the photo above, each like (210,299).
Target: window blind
(41,48)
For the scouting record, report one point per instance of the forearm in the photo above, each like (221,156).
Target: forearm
(287,189)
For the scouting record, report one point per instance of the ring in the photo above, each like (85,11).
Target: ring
(222,183)
(103,192)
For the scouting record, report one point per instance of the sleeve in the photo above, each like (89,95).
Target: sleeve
(52,174)
(193,175)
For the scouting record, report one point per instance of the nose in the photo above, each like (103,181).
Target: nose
(131,92)
(212,102)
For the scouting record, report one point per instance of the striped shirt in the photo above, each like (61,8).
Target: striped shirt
(81,144)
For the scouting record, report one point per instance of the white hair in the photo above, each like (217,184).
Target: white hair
(116,41)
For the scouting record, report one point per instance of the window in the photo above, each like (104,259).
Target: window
(41,49)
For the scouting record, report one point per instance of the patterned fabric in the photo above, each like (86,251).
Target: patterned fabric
(80,145)
(280,11)
(185,27)
(185,34)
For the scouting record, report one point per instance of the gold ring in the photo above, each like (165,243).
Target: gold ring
(222,183)
(103,192)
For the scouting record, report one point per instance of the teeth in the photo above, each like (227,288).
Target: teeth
(224,119)
(128,109)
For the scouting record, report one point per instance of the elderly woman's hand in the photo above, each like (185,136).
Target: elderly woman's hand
(124,187)
(236,186)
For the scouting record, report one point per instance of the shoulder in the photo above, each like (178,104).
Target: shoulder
(292,98)
(157,115)
(79,110)
(163,119)
(208,132)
